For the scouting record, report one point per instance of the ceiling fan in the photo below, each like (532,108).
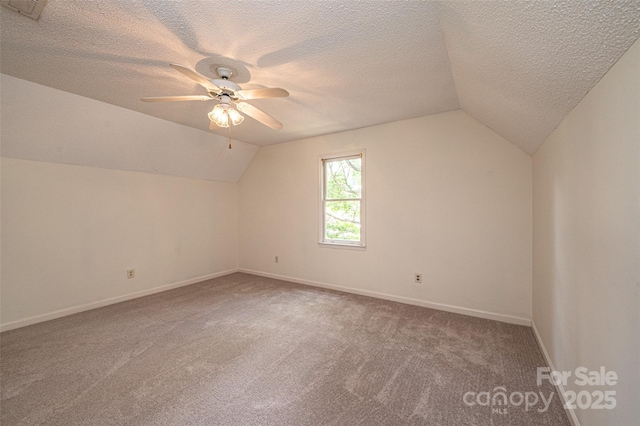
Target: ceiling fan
(228,94)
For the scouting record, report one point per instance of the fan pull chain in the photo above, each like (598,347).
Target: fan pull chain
(229,130)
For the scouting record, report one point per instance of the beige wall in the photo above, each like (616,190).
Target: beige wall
(586,282)
(446,197)
(69,233)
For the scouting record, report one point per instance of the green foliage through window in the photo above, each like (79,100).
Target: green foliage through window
(343,196)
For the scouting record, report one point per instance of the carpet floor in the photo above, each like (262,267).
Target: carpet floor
(247,350)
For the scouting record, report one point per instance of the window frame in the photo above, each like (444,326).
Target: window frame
(322,241)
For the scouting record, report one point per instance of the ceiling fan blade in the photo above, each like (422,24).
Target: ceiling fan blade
(258,115)
(262,93)
(177,98)
(213,125)
(197,77)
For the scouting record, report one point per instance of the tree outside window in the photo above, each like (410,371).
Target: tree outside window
(342,201)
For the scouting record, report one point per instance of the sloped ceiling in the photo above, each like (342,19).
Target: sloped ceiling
(518,67)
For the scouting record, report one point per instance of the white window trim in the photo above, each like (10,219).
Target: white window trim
(360,245)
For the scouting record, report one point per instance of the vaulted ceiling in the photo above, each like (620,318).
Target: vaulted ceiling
(518,67)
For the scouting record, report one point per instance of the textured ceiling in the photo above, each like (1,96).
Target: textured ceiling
(518,67)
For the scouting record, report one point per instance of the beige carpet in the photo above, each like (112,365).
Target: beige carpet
(246,350)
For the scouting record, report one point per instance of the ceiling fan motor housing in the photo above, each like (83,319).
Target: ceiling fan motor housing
(227,86)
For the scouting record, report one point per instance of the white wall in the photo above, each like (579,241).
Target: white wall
(446,197)
(69,233)
(44,124)
(586,285)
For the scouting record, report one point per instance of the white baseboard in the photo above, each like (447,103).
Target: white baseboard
(407,300)
(559,388)
(81,308)
(440,306)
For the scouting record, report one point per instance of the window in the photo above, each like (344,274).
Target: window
(342,204)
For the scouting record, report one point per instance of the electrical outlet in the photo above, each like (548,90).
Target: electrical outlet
(277,259)
(418,278)
(131,273)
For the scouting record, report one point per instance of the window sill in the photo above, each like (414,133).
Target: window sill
(343,246)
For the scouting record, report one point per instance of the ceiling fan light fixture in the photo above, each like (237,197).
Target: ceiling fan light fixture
(219,116)
(235,116)
(223,113)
